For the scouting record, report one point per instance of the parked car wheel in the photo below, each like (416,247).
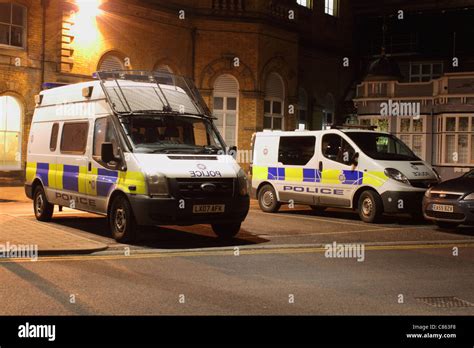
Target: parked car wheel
(267,199)
(226,231)
(370,207)
(447,225)
(42,208)
(121,220)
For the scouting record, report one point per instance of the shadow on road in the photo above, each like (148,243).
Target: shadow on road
(193,237)
(352,215)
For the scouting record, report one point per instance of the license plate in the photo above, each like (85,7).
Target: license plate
(443,208)
(208,208)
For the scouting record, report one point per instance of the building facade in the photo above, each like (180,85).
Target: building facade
(421,87)
(259,64)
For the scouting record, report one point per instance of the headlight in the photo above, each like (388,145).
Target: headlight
(469,197)
(157,185)
(396,175)
(242,179)
(428,193)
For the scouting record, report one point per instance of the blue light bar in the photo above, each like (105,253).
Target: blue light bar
(51,85)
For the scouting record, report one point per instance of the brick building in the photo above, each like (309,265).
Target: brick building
(259,64)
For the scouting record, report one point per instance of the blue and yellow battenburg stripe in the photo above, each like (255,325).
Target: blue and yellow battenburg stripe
(328,176)
(75,178)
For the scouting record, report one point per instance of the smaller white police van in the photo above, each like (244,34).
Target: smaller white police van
(371,172)
(138,147)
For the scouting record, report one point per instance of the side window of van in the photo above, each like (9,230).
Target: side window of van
(74,138)
(53,141)
(335,148)
(296,151)
(104,132)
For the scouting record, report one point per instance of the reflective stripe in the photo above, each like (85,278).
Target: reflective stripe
(106,180)
(30,172)
(293,174)
(328,176)
(42,170)
(59,176)
(127,179)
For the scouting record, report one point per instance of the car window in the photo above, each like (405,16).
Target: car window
(74,138)
(54,137)
(296,151)
(337,149)
(104,132)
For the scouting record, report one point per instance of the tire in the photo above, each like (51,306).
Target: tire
(318,209)
(42,208)
(226,231)
(370,207)
(447,225)
(121,220)
(267,199)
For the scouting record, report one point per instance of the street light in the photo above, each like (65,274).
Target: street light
(89,8)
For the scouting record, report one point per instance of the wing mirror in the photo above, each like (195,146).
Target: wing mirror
(108,155)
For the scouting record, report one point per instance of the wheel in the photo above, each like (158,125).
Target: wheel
(267,199)
(446,224)
(226,231)
(121,220)
(318,208)
(42,208)
(370,207)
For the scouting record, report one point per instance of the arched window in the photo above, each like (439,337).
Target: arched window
(225,107)
(12,24)
(10,133)
(111,62)
(302,107)
(274,102)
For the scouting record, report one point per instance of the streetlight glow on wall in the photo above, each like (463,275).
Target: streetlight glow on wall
(85,20)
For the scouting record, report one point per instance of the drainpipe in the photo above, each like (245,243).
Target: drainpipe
(44,4)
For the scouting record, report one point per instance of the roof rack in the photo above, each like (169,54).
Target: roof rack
(155,91)
(355,126)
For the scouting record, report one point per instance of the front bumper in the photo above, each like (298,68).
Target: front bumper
(171,211)
(463,211)
(402,201)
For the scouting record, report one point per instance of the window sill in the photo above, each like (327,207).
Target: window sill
(12,48)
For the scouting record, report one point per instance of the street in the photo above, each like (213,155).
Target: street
(276,265)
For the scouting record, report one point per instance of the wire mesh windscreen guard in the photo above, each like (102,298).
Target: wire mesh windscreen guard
(134,98)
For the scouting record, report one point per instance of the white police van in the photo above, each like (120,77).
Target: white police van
(360,169)
(139,147)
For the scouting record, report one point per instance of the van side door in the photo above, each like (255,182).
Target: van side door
(102,177)
(295,164)
(71,165)
(339,180)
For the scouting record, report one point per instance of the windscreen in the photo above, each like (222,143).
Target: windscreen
(380,146)
(172,134)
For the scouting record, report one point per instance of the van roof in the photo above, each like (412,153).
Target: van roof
(314,132)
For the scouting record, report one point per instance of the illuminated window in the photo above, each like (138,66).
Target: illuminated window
(12,25)
(305,3)
(457,145)
(331,7)
(111,62)
(412,132)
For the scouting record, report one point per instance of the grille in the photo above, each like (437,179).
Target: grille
(450,196)
(445,302)
(423,183)
(191,188)
(444,215)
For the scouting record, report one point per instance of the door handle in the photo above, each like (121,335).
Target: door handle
(89,166)
(320,166)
